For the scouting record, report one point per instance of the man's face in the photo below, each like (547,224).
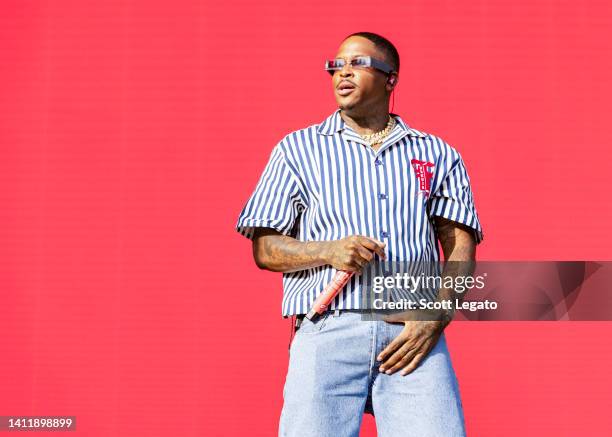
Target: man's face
(356,88)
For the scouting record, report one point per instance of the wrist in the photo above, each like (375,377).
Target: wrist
(319,251)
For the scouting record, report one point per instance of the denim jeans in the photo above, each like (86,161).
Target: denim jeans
(333,379)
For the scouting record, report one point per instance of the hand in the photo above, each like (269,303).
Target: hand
(353,253)
(411,346)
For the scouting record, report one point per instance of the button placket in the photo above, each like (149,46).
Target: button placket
(382,199)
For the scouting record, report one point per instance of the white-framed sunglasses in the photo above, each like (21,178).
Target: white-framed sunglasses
(358,62)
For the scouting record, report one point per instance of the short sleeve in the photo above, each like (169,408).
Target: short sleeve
(276,202)
(453,198)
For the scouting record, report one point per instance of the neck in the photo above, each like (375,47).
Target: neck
(366,124)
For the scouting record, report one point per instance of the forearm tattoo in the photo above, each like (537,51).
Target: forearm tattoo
(459,247)
(281,253)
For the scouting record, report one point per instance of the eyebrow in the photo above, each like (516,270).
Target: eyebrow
(354,56)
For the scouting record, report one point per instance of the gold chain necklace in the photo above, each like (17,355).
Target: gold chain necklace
(379,136)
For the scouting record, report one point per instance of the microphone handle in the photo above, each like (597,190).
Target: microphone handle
(330,291)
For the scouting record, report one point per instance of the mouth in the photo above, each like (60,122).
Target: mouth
(345,88)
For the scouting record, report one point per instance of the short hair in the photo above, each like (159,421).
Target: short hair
(383,44)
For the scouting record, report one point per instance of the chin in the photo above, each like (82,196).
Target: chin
(346,106)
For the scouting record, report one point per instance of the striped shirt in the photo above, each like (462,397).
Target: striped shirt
(324,183)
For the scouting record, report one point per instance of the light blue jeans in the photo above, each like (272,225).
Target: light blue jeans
(333,379)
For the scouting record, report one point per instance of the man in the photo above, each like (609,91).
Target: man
(334,196)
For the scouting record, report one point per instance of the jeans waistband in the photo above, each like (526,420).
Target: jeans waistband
(335,312)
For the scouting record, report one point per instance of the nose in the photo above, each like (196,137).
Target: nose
(346,70)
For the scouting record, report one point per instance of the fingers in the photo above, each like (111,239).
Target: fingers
(354,252)
(358,259)
(373,245)
(407,359)
(399,359)
(396,351)
(358,254)
(354,266)
(414,363)
(365,254)
(408,349)
(392,347)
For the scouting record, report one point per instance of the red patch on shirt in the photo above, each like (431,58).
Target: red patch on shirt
(423,173)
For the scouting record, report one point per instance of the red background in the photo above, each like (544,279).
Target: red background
(132,133)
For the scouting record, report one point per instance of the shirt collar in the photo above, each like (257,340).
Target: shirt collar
(335,123)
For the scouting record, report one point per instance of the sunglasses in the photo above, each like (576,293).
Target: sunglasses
(358,62)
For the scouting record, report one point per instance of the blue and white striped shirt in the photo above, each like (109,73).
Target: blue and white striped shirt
(324,183)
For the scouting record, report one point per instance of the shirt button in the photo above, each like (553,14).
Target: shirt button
(378,162)
(382,196)
(384,234)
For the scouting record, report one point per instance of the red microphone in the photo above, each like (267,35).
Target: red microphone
(330,291)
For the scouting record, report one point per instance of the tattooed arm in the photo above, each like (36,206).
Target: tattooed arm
(459,247)
(418,337)
(281,253)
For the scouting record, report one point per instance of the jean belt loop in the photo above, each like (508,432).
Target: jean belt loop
(337,312)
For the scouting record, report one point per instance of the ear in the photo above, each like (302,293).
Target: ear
(391,81)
